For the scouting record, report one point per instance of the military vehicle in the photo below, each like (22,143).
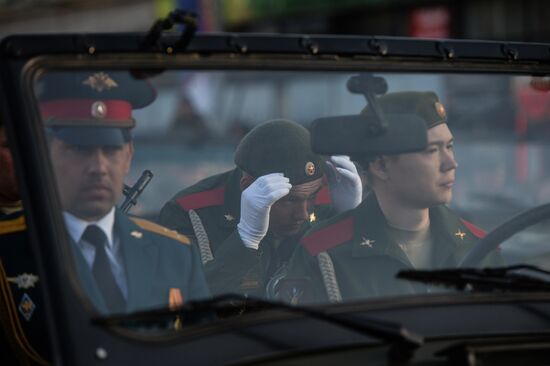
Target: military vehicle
(213,88)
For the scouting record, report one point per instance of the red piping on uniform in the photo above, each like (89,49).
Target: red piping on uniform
(474,229)
(328,237)
(198,200)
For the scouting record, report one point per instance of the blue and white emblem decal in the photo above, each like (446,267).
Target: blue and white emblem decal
(26,307)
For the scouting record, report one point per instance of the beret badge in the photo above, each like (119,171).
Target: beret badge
(440,110)
(310,168)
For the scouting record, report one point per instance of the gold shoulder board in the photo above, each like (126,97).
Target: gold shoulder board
(12,226)
(158,229)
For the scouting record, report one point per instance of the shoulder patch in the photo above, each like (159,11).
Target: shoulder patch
(12,226)
(478,232)
(161,230)
(329,236)
(213,197)
(323,196)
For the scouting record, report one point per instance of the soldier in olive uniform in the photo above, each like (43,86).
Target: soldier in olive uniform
(23,339)
(247,221)
(404,222)
(124,264)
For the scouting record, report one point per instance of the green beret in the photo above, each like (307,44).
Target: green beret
(425,105)
(279,146)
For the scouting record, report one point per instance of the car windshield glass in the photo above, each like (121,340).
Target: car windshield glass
(305,187)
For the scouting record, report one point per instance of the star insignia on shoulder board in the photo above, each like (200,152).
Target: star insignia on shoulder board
(100,81)
(137,234)
(366,242)
(460,234)
(312,217)
(24,281)
(228,217)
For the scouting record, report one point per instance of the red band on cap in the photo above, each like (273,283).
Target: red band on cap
(84,109)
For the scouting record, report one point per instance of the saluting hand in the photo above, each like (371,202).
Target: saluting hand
(256,202)
(346,189)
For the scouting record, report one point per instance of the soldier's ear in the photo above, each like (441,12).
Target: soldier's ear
(246,180)
(378,168)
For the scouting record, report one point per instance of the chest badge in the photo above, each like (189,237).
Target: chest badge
(26,307)
(228,217)
(24,281)
(460,234)
(137,234)
(366,242)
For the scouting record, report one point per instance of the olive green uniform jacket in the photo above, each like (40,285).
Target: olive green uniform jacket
(209,212)
(352,256)
(23,336)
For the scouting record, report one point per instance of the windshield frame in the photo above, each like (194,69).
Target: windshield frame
(24,59)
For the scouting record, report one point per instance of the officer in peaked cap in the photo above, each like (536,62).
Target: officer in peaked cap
(88,117)
(403,223)
(247,220)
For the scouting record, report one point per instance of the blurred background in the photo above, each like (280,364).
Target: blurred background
(512,20)
(502,123)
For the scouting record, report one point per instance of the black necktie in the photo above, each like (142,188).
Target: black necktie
(102,271)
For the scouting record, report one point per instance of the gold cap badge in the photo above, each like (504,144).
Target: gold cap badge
(310,168)
(100,81)
(440,110)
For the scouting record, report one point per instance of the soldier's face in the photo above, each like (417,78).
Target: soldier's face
(288,214)
(9,192)
(90,178)
(424,179)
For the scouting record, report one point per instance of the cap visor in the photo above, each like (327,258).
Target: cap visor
(90,136)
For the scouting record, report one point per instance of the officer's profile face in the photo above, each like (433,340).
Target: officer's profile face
(288,214)
(90,178)
(9,191)
(424,179)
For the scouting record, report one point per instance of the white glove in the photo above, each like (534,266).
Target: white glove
(346,188)
(256,201)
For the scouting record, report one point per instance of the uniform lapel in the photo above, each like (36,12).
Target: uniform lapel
(451,239)
(370,235)
(87,281)
(231,210)
(140,259)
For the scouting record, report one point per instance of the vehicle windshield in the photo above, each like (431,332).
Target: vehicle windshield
(240,202)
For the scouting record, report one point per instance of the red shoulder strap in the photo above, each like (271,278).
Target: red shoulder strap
(213,197)
(328,237)
(478,232)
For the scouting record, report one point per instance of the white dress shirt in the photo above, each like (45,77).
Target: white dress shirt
(76,227)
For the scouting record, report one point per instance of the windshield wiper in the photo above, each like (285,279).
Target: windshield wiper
(484,279)
(404,342)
